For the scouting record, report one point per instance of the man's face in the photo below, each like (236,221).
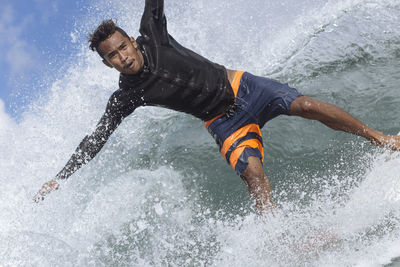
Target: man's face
(121,53)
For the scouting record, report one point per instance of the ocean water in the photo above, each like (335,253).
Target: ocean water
(159,193)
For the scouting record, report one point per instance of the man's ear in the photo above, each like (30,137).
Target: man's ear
(135,45)
(107,63)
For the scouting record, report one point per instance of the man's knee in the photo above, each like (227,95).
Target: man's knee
(258,184)
(254,173)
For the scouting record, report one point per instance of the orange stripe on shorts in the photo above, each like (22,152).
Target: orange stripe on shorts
(207,123)
(253,143)
(254,128)
(236,81)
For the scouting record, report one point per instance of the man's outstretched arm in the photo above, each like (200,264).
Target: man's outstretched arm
(340,120)
(86,151)
(88,148)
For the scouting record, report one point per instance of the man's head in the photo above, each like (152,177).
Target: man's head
(117,49)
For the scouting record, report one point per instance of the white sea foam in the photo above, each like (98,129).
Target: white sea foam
(139,203)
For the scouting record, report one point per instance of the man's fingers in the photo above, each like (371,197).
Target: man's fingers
(56,185)
(391,142)
(38,197)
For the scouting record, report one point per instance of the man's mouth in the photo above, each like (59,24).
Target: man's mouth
(129,65)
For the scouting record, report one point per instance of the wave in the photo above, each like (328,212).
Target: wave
(160,194)
(358,34)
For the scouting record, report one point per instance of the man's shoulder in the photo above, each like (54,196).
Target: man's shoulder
(127,94)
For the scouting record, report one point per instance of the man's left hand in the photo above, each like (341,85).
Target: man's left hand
(389,141)
(45,190)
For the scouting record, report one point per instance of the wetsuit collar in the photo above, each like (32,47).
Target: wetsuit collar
(145,59)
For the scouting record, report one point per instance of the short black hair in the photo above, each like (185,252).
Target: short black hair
(102,33)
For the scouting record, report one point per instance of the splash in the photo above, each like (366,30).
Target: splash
(157,196)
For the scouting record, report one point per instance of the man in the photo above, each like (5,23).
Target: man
(156,70)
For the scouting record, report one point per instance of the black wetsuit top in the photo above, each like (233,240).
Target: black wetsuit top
(173,77)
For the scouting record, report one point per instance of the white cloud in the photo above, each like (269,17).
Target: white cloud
(13,49)
(47,9)
(6,123)
(19,58)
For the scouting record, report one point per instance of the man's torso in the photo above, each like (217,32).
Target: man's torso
(177,78)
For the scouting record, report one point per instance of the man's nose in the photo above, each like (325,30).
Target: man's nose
(122,56)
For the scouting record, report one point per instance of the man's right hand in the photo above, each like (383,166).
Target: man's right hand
(391,142)
(45,190)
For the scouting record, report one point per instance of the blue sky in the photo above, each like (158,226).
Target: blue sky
(35,38)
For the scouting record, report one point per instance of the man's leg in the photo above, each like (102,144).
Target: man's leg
(340,120)
(258,184)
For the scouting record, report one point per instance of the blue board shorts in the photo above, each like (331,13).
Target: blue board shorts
(259,100)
